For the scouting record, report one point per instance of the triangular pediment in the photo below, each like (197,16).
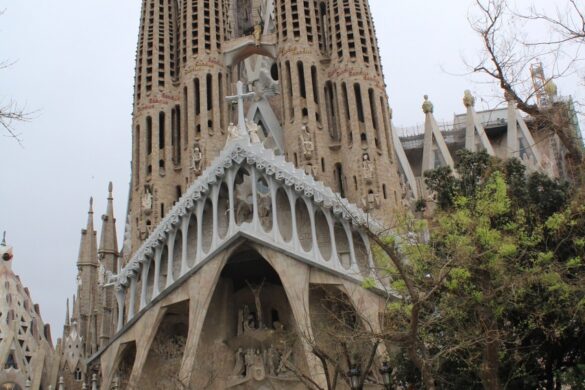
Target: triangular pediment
(249,192)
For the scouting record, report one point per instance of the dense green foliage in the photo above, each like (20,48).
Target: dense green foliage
(502,276)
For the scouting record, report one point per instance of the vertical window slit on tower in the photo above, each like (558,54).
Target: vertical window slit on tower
(137,163)
(197,96)
(209,92)
(339,177)
(374,112)
(186,115)
(290,91)
(315,82)
(221,95)
(161,130)
(148,135)
(359,103)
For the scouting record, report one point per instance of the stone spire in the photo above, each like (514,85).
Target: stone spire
(67,316)
(88,245)
(108,249)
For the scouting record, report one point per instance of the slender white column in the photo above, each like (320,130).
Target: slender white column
(185,236)
(231,181)
(144,287)
(132,301)
(292,199)
(120,298)
(215,207)
(170,257)
(157,256)
(255,214)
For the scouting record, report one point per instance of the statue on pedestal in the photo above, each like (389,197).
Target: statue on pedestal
(196,159)
(367,168)
(307,144)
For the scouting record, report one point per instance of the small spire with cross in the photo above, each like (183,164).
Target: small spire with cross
(239,100)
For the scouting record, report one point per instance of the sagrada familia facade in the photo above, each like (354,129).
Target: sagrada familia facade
(263,150)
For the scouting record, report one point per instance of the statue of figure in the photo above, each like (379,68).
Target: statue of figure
(233,132)
(269,361)
(257,34)
(367,168)
(240,366)
(147,200)
(196,159)
(249,358)
(248,319)
(307,144)
(265,208)
(257,291)
(371,201)
(253,130)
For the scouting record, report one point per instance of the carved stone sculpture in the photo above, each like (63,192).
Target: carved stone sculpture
(253,129)
(197,159)
(147,200)
(367,168)
(307,144)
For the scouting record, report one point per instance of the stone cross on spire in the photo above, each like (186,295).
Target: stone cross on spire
(239,99)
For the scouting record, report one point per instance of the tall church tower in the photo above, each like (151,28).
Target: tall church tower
(320,97)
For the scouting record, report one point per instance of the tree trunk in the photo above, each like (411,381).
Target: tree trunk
(424,368)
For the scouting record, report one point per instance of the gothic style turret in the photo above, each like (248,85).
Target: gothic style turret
(87,280)
(108,256)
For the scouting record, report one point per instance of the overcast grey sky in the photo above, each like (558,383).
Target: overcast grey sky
(74,64)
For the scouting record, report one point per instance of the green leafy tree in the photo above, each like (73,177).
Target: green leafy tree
(499,279)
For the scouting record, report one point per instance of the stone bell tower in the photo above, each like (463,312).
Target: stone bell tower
(320,97)
(333,94)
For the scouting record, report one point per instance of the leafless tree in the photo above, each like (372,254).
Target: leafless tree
(508,54)
(11,112)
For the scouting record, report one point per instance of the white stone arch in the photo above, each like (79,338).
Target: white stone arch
(324,240)
(176,256)
(263,208)
(342,245)
(192,241)
(362,253)
(304,224)
(222,208)
(163,268)
(283,214)
(207,225)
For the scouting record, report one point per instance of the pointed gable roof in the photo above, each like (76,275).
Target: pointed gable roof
(240,152)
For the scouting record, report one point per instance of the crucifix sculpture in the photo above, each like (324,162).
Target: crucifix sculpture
(239,100)
(256,291)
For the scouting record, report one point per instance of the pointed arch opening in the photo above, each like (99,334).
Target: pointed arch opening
(251,303)
(177,255)
(161,369)
(192,238)
(284,215)
(342,244)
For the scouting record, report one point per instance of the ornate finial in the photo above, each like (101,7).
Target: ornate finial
(91,204)
(427,106)
(551,88)
(468,99)
(110,188)
(4,238)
